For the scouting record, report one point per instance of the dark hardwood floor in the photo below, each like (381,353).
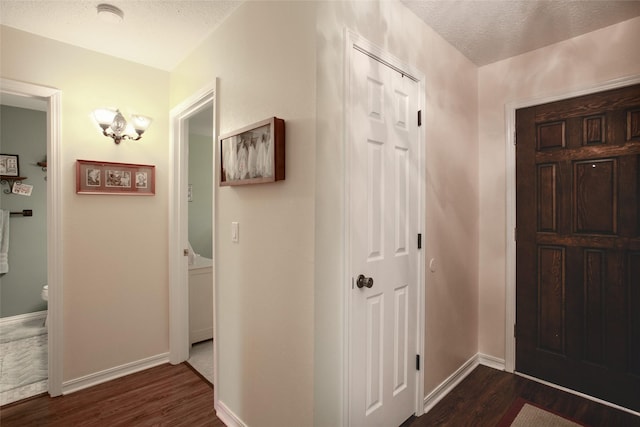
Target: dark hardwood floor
(177,396)
(484,396)
(162,396)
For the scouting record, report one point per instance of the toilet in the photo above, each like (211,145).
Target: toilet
(45,296)
(192,255)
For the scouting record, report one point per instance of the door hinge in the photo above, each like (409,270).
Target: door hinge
(419,117)
(515,137)
(515,331)
(417,362)
(419,240)
(515,234)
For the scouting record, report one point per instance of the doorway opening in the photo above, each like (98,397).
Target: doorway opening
(192,233)
(23,274)
(201,145)
(41,103)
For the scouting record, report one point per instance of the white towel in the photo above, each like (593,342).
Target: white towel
(4,241)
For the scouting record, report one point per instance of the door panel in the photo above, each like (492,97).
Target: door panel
(374,352)
(578,228)
(384,215)
(551,292)
(400,339)
(595,196)
(375,199)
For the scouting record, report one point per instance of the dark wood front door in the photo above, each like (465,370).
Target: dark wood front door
(578,244)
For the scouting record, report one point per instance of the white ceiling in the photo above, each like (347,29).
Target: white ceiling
(161,33)
(157,33)
(487,31)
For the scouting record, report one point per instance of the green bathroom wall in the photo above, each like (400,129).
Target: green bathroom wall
(24,132)
(201,181)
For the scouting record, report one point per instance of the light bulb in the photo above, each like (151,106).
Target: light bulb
(104,116)
(140,123)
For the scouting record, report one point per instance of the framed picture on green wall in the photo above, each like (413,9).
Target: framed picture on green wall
(9,165)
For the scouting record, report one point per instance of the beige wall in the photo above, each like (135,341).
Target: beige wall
(115,287)
(280,299)
(576,64)
(264,57)
(450,130)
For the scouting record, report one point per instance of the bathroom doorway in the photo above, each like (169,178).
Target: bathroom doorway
(30,320)
(201,145)
(192,231)
(23,270)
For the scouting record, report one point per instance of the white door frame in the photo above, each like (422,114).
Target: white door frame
(178,223)
(52,97)
(510,272)
(354,40)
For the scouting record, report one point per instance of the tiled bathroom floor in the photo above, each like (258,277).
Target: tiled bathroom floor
(201,358)
(23,360)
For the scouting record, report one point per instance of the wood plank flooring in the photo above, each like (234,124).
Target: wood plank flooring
(166,395)
(484,396)
(176,396)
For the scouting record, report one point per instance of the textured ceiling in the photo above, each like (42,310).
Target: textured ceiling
(486,31)
(160,33)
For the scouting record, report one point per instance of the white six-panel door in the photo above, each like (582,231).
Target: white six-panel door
(383,205)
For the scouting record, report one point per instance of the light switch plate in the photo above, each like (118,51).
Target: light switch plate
(235,232)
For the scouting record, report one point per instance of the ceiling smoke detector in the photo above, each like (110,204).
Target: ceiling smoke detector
(110,13)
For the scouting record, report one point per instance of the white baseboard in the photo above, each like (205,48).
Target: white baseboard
(491,361)
(198,335)
(113,373)
(449,384)
(461,373)
(227,416)
(496,363)
(22,317)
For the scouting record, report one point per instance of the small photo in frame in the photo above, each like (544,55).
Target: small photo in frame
(9,165)
(93,177)
(22,189)
(254,154)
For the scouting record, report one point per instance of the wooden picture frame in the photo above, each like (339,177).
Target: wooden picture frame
(9,165)
(93,177)
(254,154)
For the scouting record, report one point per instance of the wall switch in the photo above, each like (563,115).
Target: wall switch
(235,232)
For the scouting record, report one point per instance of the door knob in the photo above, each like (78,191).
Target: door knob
(364,281)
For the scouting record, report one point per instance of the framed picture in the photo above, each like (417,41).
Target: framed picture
(254,154)
(9,165)
(115,178)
